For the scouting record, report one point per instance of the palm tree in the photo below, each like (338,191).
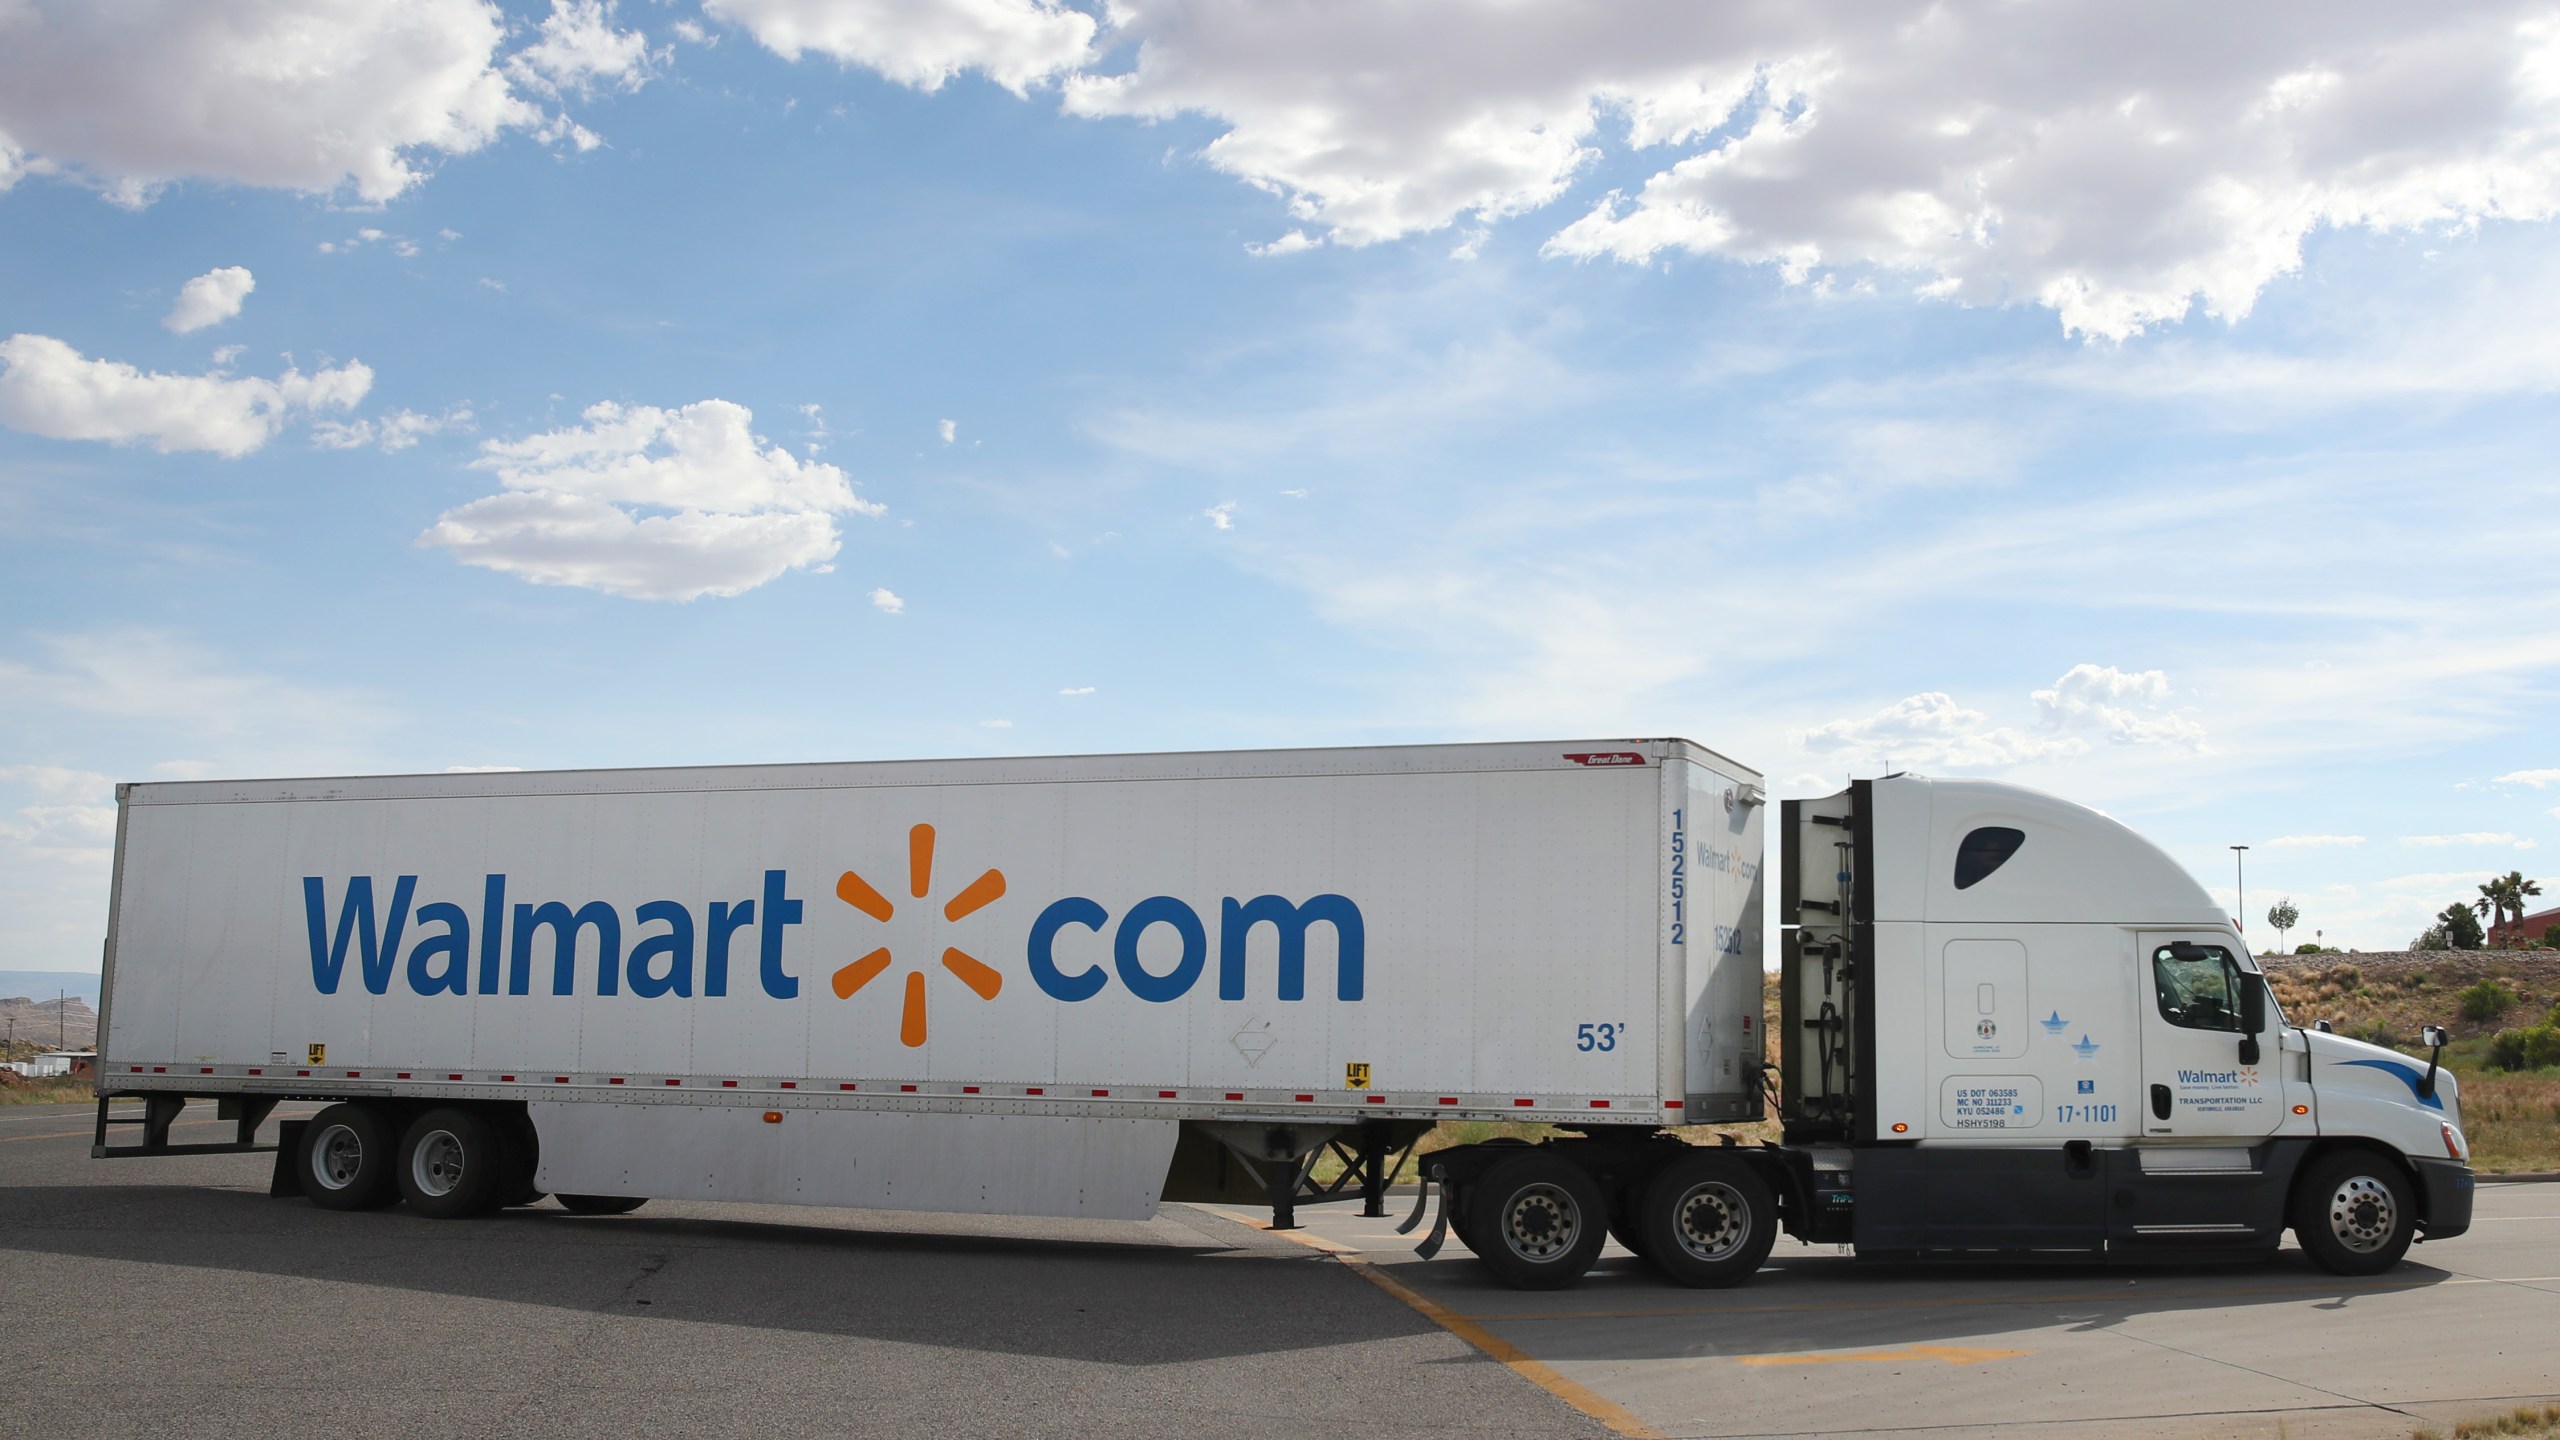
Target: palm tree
(2492,904)
(2519,890)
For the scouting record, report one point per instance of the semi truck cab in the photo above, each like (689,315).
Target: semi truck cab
(2015,1028)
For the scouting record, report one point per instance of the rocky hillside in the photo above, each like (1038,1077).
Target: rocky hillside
(2386,996)
(45,1025)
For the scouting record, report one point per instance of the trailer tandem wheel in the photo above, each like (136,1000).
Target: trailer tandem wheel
(451,1164)
(1538,1220)
(345,1159)
(1707,1219)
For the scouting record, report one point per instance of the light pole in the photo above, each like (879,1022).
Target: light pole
(2240,876)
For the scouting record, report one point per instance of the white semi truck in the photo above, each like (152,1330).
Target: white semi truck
(1083,986)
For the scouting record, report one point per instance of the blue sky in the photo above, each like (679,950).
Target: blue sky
(1979,396)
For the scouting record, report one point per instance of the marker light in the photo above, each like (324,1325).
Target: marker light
(1899,1128)
(773,1117)
(2301,1109)
(2452,1141)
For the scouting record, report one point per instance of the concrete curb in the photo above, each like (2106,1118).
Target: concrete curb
(2518,1178)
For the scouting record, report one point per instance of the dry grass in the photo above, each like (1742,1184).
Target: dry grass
(2512,1121)
(2523,1420)
(48,1092)
(2387,998)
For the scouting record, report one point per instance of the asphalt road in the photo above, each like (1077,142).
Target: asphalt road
(1820,1344)
(173,1297)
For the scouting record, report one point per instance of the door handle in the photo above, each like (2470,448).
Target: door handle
(2160,1102)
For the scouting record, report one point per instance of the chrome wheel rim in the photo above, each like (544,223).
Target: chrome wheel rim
(2362,1214)
(1712,1220)
(1541,1222)
(436,1166)
(337,1157)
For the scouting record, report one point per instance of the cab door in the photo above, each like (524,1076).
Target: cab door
(2200,1080)
(2206,1178)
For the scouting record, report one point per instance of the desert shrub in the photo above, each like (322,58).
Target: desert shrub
(2373,1032)
(2536,1048)
(2487,1000)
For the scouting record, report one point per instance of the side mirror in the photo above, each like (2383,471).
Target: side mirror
(2435,1039)
(2324,1027)
(2253,1012)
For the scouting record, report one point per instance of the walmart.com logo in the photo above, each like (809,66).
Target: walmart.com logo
(665,949)
(859,893)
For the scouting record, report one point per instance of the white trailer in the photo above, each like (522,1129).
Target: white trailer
(1082,986)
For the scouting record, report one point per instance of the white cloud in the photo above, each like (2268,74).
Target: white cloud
(2114,172)
(394,431)
(950,430)
(1932,731)
(887,602)
(739,511)
(922,43)
(73,809)
(1221,515)
(304,95)
(2469,837)
(210,299)
(579,49)
(2538,779)
(164,684)
(2102,697)
(1289,244)
(1077,690)
(996,724)
(50,389)
(2434,880)
(2314,842)
(1295,494)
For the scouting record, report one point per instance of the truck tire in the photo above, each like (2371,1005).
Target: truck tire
(1707,1220)
(451,1165)
(521,1148)
(1623,1225)
(2354,1213)
(601,1204)
(1538,1221)
(345,1159)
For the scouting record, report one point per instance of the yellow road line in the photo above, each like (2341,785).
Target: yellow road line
(1581,1397)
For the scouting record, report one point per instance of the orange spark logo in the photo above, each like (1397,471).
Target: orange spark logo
(857,892)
